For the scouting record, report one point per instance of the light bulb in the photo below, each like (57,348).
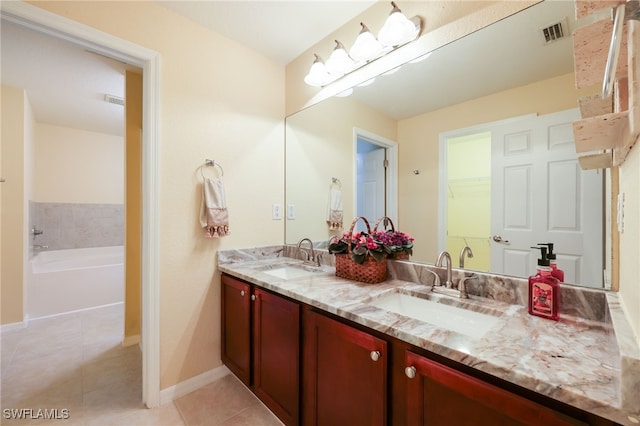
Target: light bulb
(397,29)
(318,75)
(339,63)
(366,47)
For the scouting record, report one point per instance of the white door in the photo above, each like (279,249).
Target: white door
(540,195)
(370,186)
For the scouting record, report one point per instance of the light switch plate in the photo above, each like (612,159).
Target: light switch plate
(291,211)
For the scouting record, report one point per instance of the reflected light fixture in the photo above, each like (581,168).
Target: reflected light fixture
(397,31)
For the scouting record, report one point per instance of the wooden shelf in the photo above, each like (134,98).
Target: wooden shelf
(587,7)
(590,51)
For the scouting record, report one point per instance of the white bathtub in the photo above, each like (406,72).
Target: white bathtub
(69,280)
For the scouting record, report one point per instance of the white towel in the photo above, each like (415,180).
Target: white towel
(334,212)
(214,217)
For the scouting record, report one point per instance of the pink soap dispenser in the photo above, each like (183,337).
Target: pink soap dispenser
(544,290)
(556,272)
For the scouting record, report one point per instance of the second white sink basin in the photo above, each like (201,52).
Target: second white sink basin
(460,320)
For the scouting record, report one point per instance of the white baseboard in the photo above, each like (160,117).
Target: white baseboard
(15,325)
(192,384)
(131,340)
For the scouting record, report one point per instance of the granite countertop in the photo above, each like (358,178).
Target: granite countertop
(590,364)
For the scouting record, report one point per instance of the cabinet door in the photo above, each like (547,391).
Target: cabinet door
(276,354)
(439,395)
(236,331)
(345,373)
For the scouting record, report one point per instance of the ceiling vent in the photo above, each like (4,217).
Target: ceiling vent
(554,31)
(114,100)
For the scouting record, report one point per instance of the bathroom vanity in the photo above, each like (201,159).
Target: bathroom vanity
(318,349)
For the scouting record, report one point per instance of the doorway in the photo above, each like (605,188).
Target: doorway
(55,26)
(534,192)
(376,169)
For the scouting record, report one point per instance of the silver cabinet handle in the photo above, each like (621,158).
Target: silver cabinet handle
(253,297)
(410,372)
(499,239)
(241,292)
(375,355)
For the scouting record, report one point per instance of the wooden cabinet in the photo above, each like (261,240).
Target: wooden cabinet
(236,327)
(439,395)
(261,345)
(276,354)
(345,374)
(314,368)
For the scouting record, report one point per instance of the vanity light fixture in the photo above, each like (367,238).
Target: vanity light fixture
(366,46)
(397,31)
(318,74)
(339,63)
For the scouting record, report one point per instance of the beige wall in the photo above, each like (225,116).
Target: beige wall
(17,142)
(418,137)
(320,147)
(78,166)
(218,100)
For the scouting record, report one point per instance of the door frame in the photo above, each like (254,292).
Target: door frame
(84,36)
(391,148)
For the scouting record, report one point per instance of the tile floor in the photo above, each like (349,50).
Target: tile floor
(75,362)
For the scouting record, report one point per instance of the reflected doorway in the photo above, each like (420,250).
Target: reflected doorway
(376,169)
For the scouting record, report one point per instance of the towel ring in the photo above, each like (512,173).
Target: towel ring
(211,163)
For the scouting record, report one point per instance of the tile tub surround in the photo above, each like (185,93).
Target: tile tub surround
(77,225)
(591,362)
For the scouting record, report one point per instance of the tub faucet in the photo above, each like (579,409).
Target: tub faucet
(36,232)
(447,256)
(311,258)
(466,250)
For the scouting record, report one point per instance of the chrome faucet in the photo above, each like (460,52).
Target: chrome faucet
(447,256)
(466,250)
(311,258)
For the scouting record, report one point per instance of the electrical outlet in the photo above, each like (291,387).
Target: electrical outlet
(276,212)
(291,211)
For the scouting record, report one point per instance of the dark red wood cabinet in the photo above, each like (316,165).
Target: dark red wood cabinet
(261,345)
(317,369)
(236,327)
(439,395)
(345,374)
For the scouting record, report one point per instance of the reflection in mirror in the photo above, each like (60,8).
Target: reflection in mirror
(502,72)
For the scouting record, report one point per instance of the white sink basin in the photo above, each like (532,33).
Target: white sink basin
(460,320)
(290,272)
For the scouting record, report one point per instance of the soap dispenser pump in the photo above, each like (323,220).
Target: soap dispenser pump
(556,272)
(544,290)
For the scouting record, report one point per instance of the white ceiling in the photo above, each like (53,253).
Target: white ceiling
(66,85)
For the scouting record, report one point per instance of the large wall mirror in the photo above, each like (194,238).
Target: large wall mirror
(449,125)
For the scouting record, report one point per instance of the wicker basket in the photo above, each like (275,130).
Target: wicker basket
(403,255)
(371,271)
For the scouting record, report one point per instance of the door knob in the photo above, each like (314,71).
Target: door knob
(499,239)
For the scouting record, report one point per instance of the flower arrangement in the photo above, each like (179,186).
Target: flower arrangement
(362,246)
(399,244)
